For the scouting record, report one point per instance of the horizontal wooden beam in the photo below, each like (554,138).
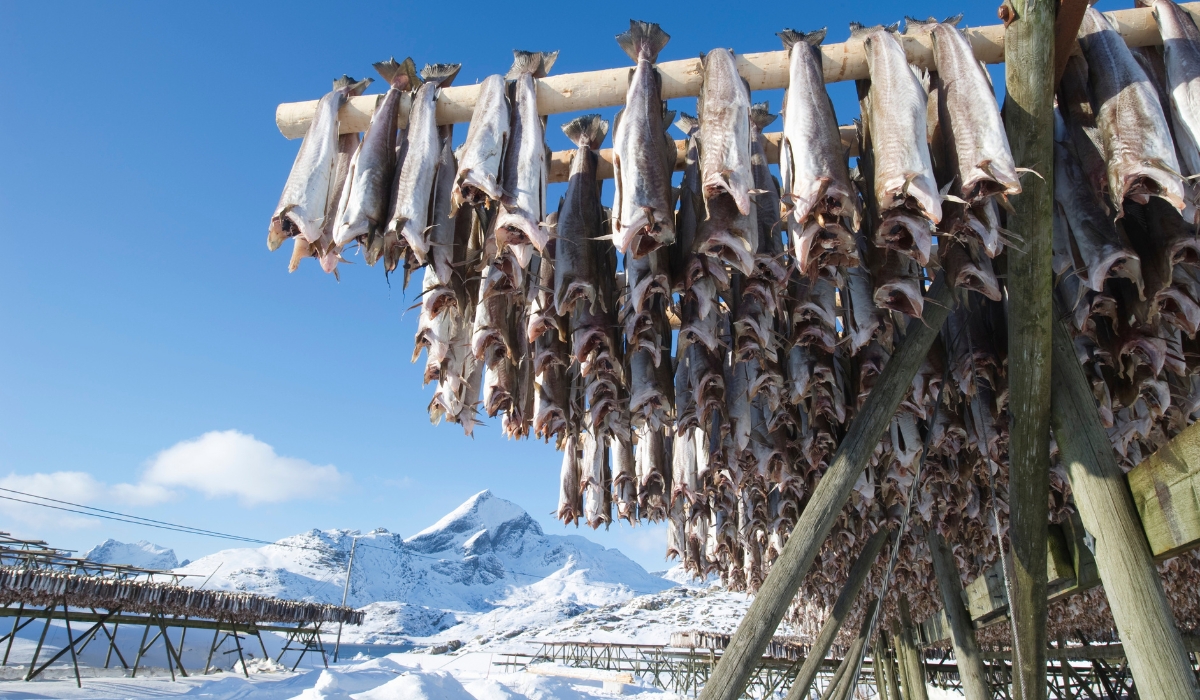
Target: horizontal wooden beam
(576,92)
(130,619)
(1166,491)
(560,161)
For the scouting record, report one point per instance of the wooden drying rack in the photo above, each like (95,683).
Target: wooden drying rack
(768,70)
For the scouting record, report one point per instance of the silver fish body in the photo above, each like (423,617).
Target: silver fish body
(1181,45)
(898,124)
(1134,134)
(304,202)
(478,178)
(643,213)
(724,111)
(410,216)
(580,217)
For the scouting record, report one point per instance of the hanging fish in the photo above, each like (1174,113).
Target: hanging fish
(594,481)
(812,160)
(580,219)
(327,253)
(406,237)
(1133,129)
(570,506)
(478,180)
(897,125)
(968,113)
(724,110)
(643,213)
(1181,47)
(374,168)
(302,207)
(524,172)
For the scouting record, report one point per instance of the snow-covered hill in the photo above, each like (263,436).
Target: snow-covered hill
(486,558)
(141,554)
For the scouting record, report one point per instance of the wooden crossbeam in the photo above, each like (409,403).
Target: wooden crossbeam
(576,92)
(1166,491)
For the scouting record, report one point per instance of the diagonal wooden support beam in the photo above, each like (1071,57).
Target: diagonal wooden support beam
(966,651)
(1066,26)
(1157,657)
(745,650)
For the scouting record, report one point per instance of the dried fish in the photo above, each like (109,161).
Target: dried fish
(478,179)
(643,213)
(302,207)
(524,173)
(580,219)
(724,109)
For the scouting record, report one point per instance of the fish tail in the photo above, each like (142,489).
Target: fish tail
(913,26)
(668,114)
(350,86)
(644,39)
(760,114)
(791,37)
(858,31)
(687,124)
(535,63)
(953,21)
(440,74)
(587,131)
(402,76)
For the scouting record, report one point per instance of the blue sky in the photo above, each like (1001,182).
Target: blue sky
(139,166)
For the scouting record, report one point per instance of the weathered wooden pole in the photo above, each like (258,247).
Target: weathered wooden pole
(910,656)
(831,690)
(731,674)
(1029,121)
(966,650)
(885,669)
(1152,644)
(841,608)
(846,679)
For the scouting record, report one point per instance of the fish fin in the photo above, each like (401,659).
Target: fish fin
(441,74)
(402,76)
(668,114)
(952,198)
(858,31)
(893,28)
(587,131)
(791,37)
(1031,170)
(643,37)
(350,86)
(687,124)
(760,114)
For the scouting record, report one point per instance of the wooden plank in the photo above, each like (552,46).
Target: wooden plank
(986,595)
(1166,492)
(560,161)
(731,675)
(577,92)
(1144,620)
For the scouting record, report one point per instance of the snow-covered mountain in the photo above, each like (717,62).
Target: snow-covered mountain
(141,554)
(486,559)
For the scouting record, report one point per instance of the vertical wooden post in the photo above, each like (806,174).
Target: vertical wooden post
(966,650)
(1157,658)
(841,608)
(914,670)
(1029,121)
(885,669)
(854,659)
(745,650)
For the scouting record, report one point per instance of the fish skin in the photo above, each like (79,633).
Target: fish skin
(1100,251)
(643,213)
(653,474)
(728,235)
(325,250)
(410,215)
(478,180)
(524,172)
(968,268)
(624,483)
(373,172)
(817,177)
(898,125)
(691,204)
(724,111)
(648,401)
(738,378)
(442,221)
(1181,45)
(490,340)
(767,202)
(898,284)
(976,137)
(580,220)
(570,505)
(302,206)
(594,481)
(1134,134)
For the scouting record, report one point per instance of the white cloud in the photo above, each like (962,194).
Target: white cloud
(231,463)
(216,464)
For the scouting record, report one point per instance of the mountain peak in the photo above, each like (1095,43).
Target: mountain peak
(483,512)
(141,554)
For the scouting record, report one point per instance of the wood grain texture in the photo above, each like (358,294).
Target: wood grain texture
(910,657)
(841,608)
(971,670)
(1151,641)
(1166,491)
(577,92)
(730,676)
(1029,121)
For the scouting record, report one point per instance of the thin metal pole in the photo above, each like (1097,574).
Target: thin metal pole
(345,591)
